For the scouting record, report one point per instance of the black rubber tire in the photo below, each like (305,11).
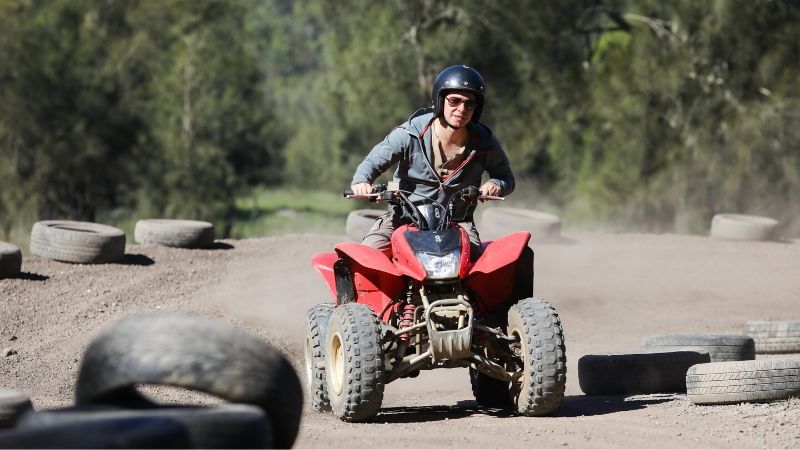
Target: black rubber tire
(360,221)
(354,363)
(77,242)
(743,227)
(499,221)
(224,426)
(774,336)
(174,233)
(13,404)
(101,433)
(192,352)
(719,347)
(540,391)
(490,392)
(10,260)
(317,320)
(744,381)
(637,373)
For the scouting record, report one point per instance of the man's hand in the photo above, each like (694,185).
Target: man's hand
(361,188)
(490,188)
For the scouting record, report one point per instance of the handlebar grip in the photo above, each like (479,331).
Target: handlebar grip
(376,189)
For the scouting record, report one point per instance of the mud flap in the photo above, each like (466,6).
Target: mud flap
(523,276)
(343,275)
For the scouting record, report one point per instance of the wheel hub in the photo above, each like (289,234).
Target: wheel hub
(337,363)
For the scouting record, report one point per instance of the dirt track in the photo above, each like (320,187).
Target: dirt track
(611,291)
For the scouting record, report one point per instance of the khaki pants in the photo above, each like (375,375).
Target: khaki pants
(380,235)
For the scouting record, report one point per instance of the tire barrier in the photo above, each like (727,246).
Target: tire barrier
(10,260)
(718,347)
(743,381)
(743,227)
(196,353)
(174,233)
(774,336)
(637,373)
(77,242)
(225,426)
(13,404)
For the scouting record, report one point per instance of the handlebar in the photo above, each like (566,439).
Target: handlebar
(491,197)
(421,215)
(379,192)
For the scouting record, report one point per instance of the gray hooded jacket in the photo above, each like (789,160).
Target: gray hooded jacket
(407,146)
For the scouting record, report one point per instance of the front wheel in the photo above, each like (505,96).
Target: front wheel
(539,344)
(354,360)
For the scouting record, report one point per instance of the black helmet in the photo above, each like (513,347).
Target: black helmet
(459,78)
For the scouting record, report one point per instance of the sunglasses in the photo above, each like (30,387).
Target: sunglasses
(455,102)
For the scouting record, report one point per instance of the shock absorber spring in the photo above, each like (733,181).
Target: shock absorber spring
(407,318)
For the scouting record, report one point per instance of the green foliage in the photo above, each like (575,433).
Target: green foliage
(630,113)
(150,106)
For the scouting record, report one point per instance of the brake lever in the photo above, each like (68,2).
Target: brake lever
(377,194)
(350,194)
(491,197)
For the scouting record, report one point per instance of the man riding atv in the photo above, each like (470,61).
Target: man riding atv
(439,151)
(422,292)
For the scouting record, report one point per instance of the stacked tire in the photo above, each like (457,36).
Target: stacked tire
(662,364)
(752,381)
(774,336)
(718,347)
(177,350)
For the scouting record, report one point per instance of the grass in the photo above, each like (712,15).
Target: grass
(267,212)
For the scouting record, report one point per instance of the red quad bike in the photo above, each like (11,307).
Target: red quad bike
(433,303)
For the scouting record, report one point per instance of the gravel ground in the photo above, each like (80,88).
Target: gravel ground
(611,291)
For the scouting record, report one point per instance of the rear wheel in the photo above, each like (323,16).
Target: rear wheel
(540,346)
(354,357)
(317,320)
(489,392)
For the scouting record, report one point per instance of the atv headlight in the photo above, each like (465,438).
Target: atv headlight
(440,267)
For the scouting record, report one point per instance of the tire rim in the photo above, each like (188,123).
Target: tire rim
(337,363)
(518,347)
(309,358)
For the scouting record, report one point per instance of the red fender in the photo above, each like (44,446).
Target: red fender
(376,280)
(323,262)
(367,256)
(491,278)
(501,252)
